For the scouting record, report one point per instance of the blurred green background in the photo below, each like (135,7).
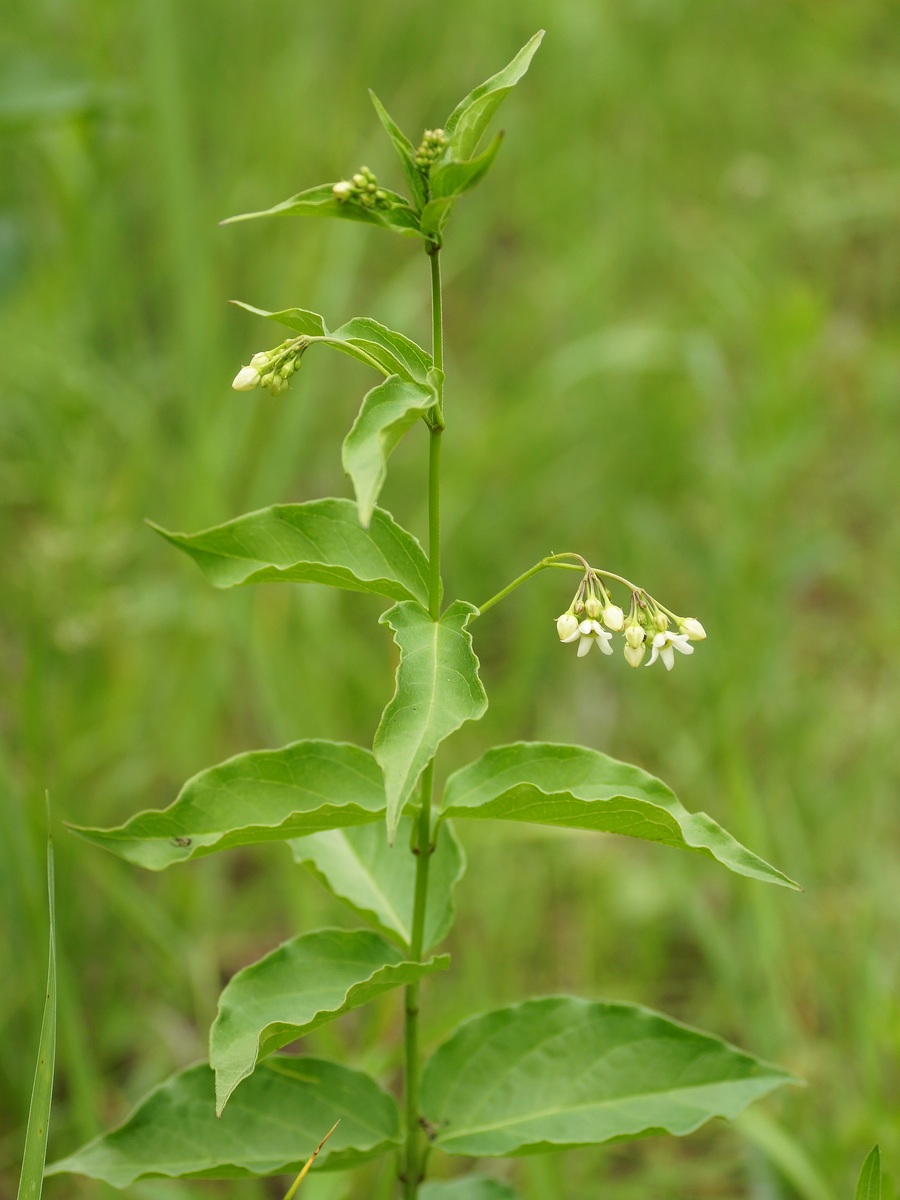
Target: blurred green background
(672,314)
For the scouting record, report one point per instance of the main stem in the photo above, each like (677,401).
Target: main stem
(413,1160)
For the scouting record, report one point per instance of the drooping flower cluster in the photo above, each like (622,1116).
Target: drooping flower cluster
(272,368)
(431,149)
(592,618)
(362,187)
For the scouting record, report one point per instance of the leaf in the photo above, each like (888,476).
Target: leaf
(556,1073)
(321,202)
(468,1187)
(272,1126)
(301,320)
(435,215)
(455,177)
(869,1185)
(295,989)
(571,787)
(387,412)
(468,121)
(378,880)
(406,151)
(263,796)
(437,690)
(31,1178)
(317,542)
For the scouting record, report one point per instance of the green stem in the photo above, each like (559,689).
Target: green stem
(413,1161)
(541,566)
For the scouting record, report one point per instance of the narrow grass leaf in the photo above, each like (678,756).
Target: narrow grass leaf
(262,796)
(468,121)
(572,787)
(437,690)
(406,151)
(296,988)
(869,1185)
(378,880)
(469,1187)
(395,214)
(32,1175)
(387,412)
(292,1190)
(786,1153)
(272,1126)
(556,1073)
(317,542)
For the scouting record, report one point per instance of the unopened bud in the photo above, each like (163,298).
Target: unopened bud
(277,386)
(246,379)
(692,627)
(634,636)
(360,180)
(613,617)
(259,360)
(288,369)
(634,655)
(662,622)
(567,626)
(593,607)
(343,190)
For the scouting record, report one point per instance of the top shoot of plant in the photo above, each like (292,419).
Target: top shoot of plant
(543,1075)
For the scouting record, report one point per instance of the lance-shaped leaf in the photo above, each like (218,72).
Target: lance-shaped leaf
(318,542)
(387,412)
(378,881)
(469,1187)
(868,1186)
(406,151)
(455,177)
(556,1073)
(437,690)
(572,787)
(468,121)
(263,796)
(394,212)
(295,989)
(272,1126)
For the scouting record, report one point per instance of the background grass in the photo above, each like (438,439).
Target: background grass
(673,345)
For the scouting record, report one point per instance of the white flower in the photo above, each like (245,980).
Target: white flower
(664,646)
(613,617)
(692,627)
(246,379)
(590,632)
(567,627)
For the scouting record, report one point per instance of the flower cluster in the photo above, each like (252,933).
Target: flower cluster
(430,150)
(362,187)
(648,624)
(271,368)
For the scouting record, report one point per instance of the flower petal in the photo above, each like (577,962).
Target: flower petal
(667,654)
(584,646)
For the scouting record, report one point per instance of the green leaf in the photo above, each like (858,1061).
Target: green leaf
(378,880)
(274,1122)
(321,202)
(556,1073)
(387,412)
(469,1187)
(31,1178)
(317,542)
(295,989)
(571,787)
(468,121)
(869,1185)
(301,320)
(406,151)
(263,796)
(435,215)
(455,177)
(437,690)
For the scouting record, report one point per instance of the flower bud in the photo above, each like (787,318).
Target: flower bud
(692,627)
(259,360)
(567,626)
(246,379)
(613,617)
(277,386)
(578,606)
(634,655)
(593,607)
(343,190)
(662,622)
(288,369)
(360,180)
(634,636)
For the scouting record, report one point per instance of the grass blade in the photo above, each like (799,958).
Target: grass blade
(31,1180)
